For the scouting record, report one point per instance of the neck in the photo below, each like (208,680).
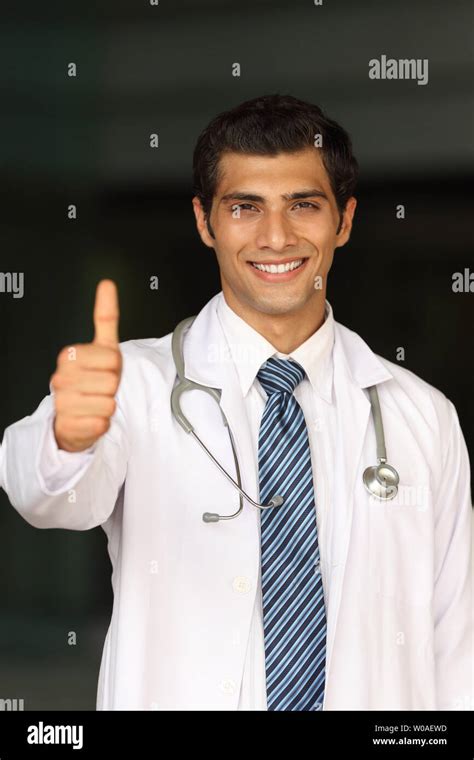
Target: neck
(284,331)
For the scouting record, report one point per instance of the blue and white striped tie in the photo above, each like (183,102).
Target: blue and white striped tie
(294,616)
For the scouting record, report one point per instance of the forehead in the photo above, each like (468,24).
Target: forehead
(283,172)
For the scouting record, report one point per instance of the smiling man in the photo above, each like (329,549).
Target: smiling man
(304,573)
(274,225)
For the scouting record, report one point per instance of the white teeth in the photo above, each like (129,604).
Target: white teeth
(278,268)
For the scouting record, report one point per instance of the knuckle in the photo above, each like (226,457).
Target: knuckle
(60,403)
(62,356)
(64,427)
(60,380)
(58,424)
(101,426)
(67,354)
(66,402)
(115,360)
(111,406)
(111,384)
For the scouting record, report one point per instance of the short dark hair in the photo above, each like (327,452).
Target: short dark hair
(269,125)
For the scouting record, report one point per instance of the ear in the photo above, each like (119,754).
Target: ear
(348,215)
(201,222)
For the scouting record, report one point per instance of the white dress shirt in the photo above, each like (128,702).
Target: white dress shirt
(249,350)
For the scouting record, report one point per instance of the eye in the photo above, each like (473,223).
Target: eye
(240,206)
(307,204)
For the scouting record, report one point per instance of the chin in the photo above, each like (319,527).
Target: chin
(280,305)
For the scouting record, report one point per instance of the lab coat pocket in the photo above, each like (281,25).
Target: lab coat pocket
(401,546)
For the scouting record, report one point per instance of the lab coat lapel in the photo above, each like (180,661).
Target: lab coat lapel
(208,361)
(356,367)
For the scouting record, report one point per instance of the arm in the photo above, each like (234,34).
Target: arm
(63,466)
(51,488)
(453,575)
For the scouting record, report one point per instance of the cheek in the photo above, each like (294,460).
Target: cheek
(230,241)
(323,237)
(227,255)
(236,234)
(322,228)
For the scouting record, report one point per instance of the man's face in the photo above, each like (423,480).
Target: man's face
(274,210)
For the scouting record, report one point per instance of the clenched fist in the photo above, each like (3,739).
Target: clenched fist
(87,377)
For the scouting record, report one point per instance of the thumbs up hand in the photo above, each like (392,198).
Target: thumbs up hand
(87,377)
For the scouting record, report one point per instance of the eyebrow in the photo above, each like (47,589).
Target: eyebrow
(312,192)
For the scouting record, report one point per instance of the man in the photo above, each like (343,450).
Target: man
(329,599)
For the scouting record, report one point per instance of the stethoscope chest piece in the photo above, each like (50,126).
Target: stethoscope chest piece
(381,481)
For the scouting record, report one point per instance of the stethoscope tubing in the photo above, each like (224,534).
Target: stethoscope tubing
(380,480)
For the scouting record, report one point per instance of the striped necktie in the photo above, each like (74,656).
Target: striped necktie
(294,616)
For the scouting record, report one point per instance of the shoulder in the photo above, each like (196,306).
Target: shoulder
(403,388)
(148,359)
(146,348)
(430,402)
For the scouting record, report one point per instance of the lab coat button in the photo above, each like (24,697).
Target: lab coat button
(227,686)
(241,584)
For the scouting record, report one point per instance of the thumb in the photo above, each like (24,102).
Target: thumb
(106,314)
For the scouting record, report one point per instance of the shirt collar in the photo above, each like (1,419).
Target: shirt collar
(249,350)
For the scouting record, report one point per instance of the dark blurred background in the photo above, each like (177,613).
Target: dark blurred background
(167,69)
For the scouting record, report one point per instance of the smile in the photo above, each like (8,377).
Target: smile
(276,272)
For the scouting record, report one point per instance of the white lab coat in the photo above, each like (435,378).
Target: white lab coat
(398,617)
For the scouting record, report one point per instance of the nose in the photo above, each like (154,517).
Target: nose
(275,232)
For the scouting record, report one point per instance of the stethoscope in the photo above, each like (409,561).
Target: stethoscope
(381,480)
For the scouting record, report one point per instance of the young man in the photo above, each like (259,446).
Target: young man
(327,597)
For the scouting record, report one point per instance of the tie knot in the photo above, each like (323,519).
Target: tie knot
(280,375)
